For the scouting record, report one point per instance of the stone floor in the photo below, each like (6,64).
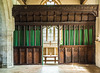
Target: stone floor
(71,68)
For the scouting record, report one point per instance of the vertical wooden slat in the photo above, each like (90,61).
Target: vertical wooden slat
(79,34)
(64,34)
(74,35)
(69,33)
(59,44)
(93,32)
(40,50)
(88,35)
(24,35)
(83,35)
(19,55)
(33,55)
(41,35)
(35,36)
(29,36)
(26,55)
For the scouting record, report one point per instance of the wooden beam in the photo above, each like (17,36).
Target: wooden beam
(83,1)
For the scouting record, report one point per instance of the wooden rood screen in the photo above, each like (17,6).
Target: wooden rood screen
(76,22)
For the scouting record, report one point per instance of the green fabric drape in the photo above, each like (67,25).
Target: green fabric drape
(90,37)
(81,36)
(66,37)
(32,37)
(37,37)
(21,34)
(16,38)
(76,37)
(71,37)
(27,38)
(86,37)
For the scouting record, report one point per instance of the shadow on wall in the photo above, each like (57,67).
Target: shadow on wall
(0,61)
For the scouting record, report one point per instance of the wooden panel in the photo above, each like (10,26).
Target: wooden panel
(81,55)
(78,17)
(75,55)
(68,54)
(29,56)
(71,17)
(90,55)
(36,55)
(61,55)
(16,56)
(30,17)
(22,56)
(91,17)
(84,17)
(50,18)
(23,17)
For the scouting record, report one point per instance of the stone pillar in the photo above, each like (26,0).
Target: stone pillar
(6,34)
(97,52)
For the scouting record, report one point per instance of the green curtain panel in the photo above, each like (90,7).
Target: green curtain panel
(21,34)
(86,37)
(27,38)
(90,37)
(16,38)
(76,37)
(37,37)
(66,37)
(71,37)
(32,37)
(81,36)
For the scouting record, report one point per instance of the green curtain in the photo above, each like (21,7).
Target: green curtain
(86,37)
(32,37)
(27,37)
(16,38)
(21,34)
(81,36)
(66,37)
(71,37)
(76,37)
(90,37)
(37,37)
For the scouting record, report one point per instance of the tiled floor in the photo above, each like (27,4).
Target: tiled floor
(72,68)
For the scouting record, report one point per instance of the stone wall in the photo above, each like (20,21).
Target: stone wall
(6,33)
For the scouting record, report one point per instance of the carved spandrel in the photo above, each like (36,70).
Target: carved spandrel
(61,49)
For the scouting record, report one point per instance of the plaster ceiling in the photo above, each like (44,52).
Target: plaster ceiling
(63,2)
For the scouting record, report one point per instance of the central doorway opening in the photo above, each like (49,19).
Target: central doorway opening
(50,45)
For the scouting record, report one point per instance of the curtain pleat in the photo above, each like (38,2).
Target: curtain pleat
(76,37)
(32,37)
(37,37)
(16,38)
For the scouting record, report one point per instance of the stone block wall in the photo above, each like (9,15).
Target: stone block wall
(6,33)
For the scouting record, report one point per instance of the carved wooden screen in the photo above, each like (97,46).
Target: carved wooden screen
(76,21)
